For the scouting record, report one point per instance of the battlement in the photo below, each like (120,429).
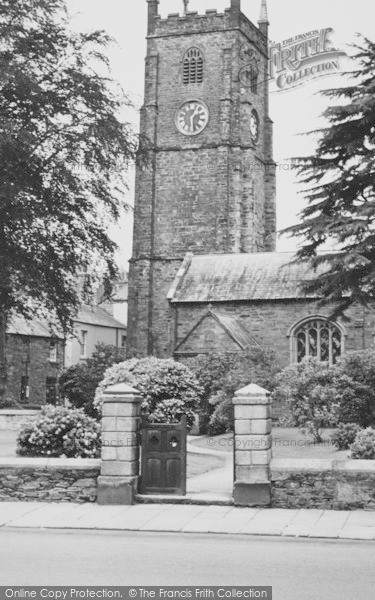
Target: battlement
(193,22)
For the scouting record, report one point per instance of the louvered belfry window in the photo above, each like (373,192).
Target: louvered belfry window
(193,66)
(319,339)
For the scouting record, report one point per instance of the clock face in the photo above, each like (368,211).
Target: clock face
(255,126)
(192,117)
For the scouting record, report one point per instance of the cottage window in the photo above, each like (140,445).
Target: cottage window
(83,344)
(317,338)
(51,390)
(193,66)
(25,390)
(53,351)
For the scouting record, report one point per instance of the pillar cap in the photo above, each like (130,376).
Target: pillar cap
(120,389)
(252,390)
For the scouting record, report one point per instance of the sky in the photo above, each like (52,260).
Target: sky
(294,112)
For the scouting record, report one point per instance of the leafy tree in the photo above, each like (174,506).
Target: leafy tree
(64,150)
(78,383)
(341,192)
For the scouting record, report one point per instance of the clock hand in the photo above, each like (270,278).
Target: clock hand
(195,112)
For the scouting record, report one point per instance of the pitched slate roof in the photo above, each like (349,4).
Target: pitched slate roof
(227,277)
(236,330)
(88,315)
(18,325)
(94,315)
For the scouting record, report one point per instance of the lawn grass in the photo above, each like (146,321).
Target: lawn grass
(286,443)
(197,464)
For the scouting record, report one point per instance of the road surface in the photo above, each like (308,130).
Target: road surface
(297,569)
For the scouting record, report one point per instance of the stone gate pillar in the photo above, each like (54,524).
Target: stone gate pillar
(119,472)
(252,446)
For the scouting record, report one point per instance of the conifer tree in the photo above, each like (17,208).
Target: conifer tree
(340,180)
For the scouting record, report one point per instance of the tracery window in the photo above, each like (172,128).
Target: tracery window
(193,66)
(317,338)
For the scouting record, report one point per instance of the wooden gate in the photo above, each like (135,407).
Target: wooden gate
(163,462)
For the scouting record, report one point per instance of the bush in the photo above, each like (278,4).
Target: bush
(363,446)
(305,389)
(170,390)
(351,398)
(78,383)
(222,418)
(345,435)
(360,368)
(221,374)
(59,431)
(7,401)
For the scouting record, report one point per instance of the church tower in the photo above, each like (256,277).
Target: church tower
(208,183)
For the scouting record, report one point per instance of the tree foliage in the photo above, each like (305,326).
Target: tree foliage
(221,374)
(340,187)
(64,149)
(78,383)
(318,395)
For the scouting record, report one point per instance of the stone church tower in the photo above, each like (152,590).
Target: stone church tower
(208,185)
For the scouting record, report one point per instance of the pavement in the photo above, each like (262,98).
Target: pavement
(303,523)
(194,513)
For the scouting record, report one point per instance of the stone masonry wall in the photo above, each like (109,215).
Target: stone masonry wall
(48,480)
(324,484)
(11,420)
(208,336)
(269,323)
(209,193)
(31,360)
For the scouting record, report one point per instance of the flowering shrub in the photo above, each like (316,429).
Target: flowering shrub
(363,446)
(169,388)
(59,431)
(345,435)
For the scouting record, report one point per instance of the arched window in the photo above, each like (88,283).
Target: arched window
(193,66)
(317,338)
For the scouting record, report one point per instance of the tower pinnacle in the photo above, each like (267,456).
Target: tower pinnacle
(186,6)
(264,13)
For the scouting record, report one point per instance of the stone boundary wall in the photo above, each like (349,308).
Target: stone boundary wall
(324,484)
(11,420)
(296,483)
(48,479)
